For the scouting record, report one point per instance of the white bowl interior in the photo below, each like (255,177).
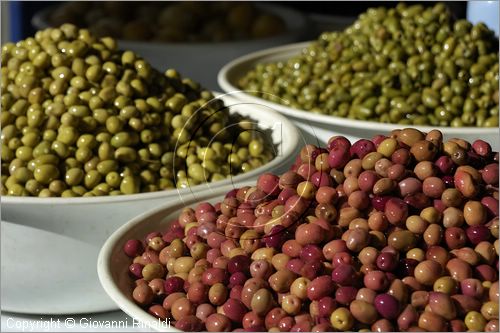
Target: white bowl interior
(321,126)
(112,264)
(83,224)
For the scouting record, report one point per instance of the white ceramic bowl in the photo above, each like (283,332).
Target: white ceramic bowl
(202,61)
(112,263)
(320,126)
(50,245)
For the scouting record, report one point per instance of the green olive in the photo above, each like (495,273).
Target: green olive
(92,178)
(33,187)
(408,66)
(24,153)
(121,139)
(129,185)
(81,118)
(113,179)
(23,174)
(45,173)
(57,187)
(74,176)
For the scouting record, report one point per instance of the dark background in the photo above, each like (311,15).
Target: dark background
(21,12)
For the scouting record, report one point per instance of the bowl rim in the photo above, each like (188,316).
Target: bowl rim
(297,24)
(232,71)
(287,149)
(104,259)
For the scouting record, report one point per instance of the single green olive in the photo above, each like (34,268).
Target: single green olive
(45,173)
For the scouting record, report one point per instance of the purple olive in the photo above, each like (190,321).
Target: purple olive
(387,306)
(286,193)
(311,252)
(481,147)
(418,201)
(338,157)
(486,272)
(345,295)
(444,164)
(136,270)
(205,229)
(448,181)
(396,211)
(378,202)
(406,267)
(343,274)
(133,248)
(320,287)
(387,261)
(478,233)
(338,142)
(295,265)
(276,237)
(237,278)
(491,205)
(268,183)
(490,174)
(320,179)
(234,310)
(326,305)
(173,284)
(362,147)
(239,263)
(311,269)
(472,287)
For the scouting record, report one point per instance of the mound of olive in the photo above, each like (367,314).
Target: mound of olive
(186,21)
(81,118)
(404,65)
(397,233)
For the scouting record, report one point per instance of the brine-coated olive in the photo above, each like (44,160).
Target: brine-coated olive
(80,111)
(265,258)
(404,65)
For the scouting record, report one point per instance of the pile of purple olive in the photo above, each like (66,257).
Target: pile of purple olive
(395,233)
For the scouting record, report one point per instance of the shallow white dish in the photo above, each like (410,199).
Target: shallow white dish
(321,126)
(59,238)
(112,264)
(202,61)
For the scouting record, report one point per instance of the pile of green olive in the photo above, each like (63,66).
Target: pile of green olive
(184,21)
(81,118)
(411,65)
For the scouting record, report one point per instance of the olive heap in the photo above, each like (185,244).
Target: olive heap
(408,65)
(395,233)
(81,118)
(184,21)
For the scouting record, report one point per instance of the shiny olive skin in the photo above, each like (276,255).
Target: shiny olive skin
(429,268)
(417,68)
(80,112)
